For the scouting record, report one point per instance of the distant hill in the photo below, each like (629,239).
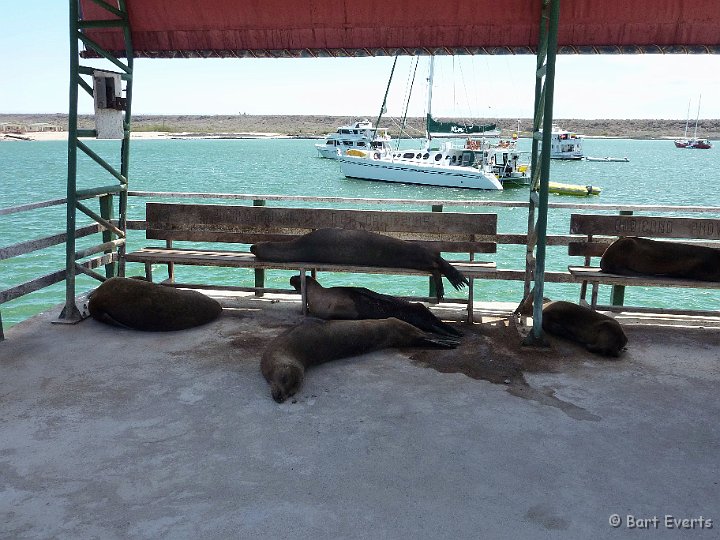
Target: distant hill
(317,125)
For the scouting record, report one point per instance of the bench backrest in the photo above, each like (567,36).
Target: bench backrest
(656,227)
(446,231)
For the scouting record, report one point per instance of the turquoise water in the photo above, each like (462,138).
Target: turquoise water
(657,174)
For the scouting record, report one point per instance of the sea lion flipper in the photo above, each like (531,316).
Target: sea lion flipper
(454,275)
(439,342)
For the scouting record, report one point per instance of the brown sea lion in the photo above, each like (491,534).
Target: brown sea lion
(642,256)
(361,248)
(599,333)
(361,303)
(143,305)
(314,342)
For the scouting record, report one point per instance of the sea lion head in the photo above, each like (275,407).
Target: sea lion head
(610,338)
(285,381)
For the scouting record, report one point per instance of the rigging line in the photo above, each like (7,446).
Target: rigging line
(383,109)
(403,123)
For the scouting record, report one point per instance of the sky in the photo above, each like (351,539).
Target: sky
(34,74)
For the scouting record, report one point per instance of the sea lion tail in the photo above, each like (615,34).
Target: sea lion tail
(454,275)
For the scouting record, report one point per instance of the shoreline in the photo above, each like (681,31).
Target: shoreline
(41,136)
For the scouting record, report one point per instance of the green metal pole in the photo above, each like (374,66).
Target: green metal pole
(125,148)
(545,171)
(70,312)
(106,212)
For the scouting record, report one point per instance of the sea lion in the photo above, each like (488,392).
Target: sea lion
(599,333)
(361,303)
(642,256)
(363,248)
(314,342)
(143,305)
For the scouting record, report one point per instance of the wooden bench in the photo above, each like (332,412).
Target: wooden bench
(602,230)
(449,232)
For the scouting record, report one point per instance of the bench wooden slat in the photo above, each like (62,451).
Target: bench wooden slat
(646,226)
(595,274)
(247,260)
(294,221)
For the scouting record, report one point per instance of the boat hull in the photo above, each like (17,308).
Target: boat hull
(383,170)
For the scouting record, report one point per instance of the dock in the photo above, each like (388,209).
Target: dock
(114,433)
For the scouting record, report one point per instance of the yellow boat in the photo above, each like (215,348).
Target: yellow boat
(572,189)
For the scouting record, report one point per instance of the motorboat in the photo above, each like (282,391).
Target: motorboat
(565,144)
(358,136)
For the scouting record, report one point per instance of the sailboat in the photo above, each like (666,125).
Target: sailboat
(695,143)
(468,166)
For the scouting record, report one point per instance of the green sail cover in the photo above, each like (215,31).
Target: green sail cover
(454,128)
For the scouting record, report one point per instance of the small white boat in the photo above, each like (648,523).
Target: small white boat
(358,136)
(609,159)
(565,144)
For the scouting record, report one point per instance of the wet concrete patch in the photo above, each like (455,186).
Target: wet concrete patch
(494,352)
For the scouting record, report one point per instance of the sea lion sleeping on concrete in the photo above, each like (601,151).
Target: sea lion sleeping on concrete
(642,256)
(143,305)
(361,303)
(314,342)
(599,333)
(361,248)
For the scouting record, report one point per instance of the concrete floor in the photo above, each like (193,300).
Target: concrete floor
(111,433)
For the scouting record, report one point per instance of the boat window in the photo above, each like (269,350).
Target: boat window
(425,156)
(454,159)
(346,131)
(361,143)
(348,143)
(408,155)
(438,157)
(331,143)
(418,156)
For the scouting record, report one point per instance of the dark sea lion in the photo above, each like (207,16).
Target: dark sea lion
(599,333)
(361,303)
(143,305)
(361,248)
(642,256)
(314,342)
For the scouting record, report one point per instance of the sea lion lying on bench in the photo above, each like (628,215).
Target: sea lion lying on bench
(599,333)
(143,305)
(361,303)
(314,342)
(361,248)
(642,256)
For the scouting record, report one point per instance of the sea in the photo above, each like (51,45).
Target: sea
(657,173)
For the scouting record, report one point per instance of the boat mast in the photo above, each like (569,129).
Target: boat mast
(383,108)
(687,118)
(431,74)
(697,117)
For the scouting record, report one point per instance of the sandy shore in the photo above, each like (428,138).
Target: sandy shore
(63,135)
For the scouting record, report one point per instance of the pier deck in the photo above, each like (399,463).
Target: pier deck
(111,433)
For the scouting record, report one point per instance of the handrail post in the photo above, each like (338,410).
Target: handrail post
(617,293)
(432,291)
(259,272)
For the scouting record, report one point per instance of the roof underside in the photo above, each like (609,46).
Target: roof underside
(322,28)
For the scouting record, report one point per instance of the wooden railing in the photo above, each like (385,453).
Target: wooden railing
(503,237)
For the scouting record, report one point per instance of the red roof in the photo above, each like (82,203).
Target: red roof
(260,28)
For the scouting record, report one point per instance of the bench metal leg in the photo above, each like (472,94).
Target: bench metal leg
(593,297)
(471,300)
(303,291)
(148,271)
